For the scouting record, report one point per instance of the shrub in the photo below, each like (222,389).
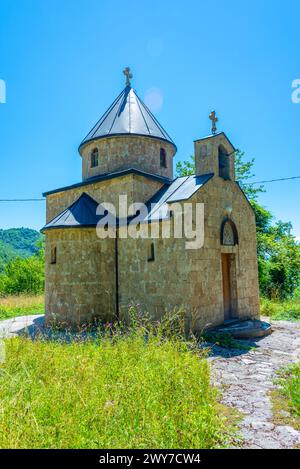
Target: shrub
(23,276)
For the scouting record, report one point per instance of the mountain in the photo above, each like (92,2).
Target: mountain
(17,242)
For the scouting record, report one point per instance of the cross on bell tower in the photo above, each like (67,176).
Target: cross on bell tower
(128,75)
(214,120)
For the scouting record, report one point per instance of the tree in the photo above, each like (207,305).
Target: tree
(185,168)
(278,251)
(24,275)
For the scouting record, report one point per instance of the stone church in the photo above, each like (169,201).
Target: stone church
(128,153)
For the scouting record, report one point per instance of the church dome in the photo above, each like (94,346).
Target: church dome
(127,115)
(127,136)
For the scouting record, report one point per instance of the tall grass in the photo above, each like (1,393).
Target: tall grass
(21,305)
(120,390)
(289,388)
(288,310)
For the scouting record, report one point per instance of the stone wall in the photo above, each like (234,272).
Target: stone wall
(207,158)
(138,189)
(192,279)
(80,287)
(124,152)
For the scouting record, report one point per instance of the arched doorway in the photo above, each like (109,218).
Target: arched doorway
(229,237)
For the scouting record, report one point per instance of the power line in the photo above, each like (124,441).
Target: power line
(272,180)
(244,183)
(22,200)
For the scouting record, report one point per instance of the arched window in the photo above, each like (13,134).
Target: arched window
(223,163)
(229,234)
(94,158)
(163,158)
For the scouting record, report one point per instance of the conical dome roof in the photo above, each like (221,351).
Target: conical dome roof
(127,115)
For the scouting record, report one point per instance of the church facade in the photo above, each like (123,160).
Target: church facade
(93,276)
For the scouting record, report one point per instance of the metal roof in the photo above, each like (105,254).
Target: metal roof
(127,115)
(82,213)
(181,189)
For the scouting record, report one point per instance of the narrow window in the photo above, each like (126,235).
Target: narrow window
(94,158)
(53,255)
(151,256)
(223,163)
(163,158)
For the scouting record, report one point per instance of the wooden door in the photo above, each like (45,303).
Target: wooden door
(226,286)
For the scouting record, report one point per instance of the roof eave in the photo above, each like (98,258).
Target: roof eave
(215,135)
(125,134)
(107,176)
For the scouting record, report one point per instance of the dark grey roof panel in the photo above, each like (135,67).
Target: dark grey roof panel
(181,189)
(127,115)
(82,213)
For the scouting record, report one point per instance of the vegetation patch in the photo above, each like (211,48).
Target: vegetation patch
(286,398)
(24,276)
(120,390)
(21,305)
(288,310)
(225,340)
(17,242)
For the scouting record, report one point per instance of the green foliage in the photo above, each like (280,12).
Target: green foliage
(185,168)
(289,387)
(224,340)
(116,391)
(278,250)
(288,310)
(243,172)
(17,242)
(24,275)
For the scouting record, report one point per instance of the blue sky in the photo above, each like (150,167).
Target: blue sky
(62,63)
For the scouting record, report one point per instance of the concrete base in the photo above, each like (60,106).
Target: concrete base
(244,329)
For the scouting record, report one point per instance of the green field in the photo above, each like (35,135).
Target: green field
(121,391)
(21,305)
(288,310)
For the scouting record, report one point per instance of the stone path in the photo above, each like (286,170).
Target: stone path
(246,379)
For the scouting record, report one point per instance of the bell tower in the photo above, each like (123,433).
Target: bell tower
(215,153)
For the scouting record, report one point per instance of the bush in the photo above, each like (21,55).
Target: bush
(23,275)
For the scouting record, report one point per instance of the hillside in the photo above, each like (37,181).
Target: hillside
(17,242)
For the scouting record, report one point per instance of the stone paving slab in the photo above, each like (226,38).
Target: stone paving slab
(16,326)
(246,379)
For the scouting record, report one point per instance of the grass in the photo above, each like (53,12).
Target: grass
(120,391)
(286,398)
(288,310)
(224,340)
(21,305)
